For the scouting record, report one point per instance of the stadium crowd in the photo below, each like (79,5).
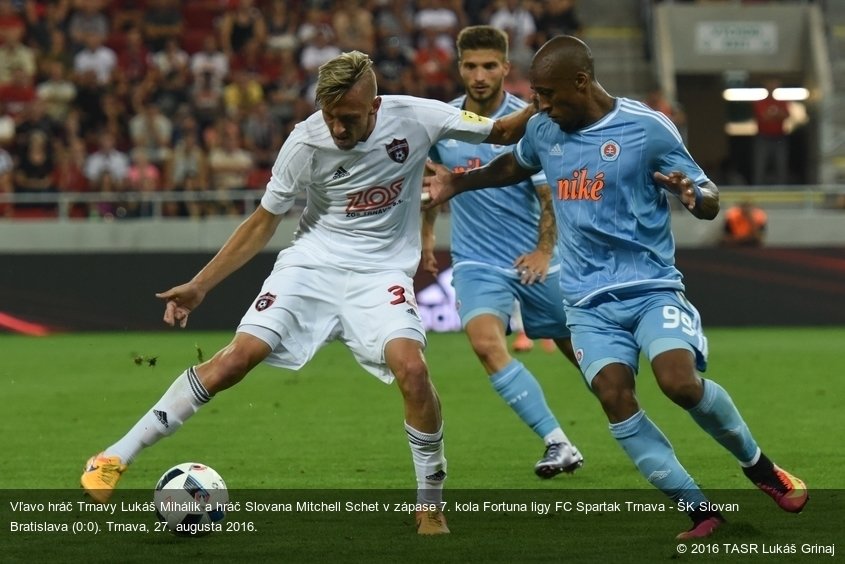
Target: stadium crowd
(133,96)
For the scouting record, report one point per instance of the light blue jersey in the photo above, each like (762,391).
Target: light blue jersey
(613,219)
(495,226)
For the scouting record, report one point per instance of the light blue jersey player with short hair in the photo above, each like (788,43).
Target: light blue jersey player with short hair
(503,250)
(606,159)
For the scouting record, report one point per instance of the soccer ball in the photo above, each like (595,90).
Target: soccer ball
(191,499)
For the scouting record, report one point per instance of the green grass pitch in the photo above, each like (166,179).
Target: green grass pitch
(332,430)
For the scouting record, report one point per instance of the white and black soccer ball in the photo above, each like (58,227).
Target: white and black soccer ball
(191,498)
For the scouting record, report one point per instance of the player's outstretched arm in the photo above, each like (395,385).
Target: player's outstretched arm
(442,184)
(702,201)
(509,129)
(247,240)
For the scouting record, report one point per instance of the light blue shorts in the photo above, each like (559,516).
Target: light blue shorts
(616,328)
(481,289)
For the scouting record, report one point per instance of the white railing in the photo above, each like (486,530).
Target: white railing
(810,197)
(152,202)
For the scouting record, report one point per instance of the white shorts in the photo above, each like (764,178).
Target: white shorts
(300,308)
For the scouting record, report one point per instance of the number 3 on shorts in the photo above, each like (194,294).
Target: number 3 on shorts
(399,292)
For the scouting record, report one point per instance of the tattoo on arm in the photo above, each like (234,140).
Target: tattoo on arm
(547,236)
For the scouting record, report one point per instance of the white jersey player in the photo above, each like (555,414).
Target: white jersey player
(347,275)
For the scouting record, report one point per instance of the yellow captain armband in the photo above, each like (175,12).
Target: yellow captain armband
(473,117)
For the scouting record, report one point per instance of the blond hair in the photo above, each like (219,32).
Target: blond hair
(337,76)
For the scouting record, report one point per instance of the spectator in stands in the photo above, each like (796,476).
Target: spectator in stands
(7,126)
(434,68)
(394,19)
(89,105)
(171,58)
(206,99)
(287,102)
(240,25)
(115,119)
(143,177)
(34,173)
(438,21)
(196,208)
(107,159)
(262,135)
(517,83)
(14,55)
(557,17)
(87,20)
(315,18)
(50,19)
(353,25)
(229,166)
(33,120)
(282,24)
(18,92)
(133,58)
(515,18)
(394,68)
(317,50)
(126,14)
(210,63)
(242,94)
(56,92)
(111,207)
(10,19)
(172,92)
(68,174)
(189,158)
(95,57)
(771,146)
(152,131)
(57,50)
(478,11)
(745,226)
(162,22)
(260,63)
(6,186)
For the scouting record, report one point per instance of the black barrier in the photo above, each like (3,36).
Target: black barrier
(730,287)
(548,525)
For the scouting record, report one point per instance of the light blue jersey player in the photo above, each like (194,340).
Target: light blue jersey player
(608,161)
(503,250)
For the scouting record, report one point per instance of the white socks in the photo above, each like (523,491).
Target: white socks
(429,463)
(184,397)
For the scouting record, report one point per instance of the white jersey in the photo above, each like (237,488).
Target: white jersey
(363,204)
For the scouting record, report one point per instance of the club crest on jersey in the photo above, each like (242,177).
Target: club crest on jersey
(398,150)
(610,150)
(264,301)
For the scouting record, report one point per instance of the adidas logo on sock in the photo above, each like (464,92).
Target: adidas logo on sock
(340,173)
(162,418)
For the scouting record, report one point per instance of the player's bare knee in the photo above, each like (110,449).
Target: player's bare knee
(615,392)
(491,354)
(412,376)
(617,402)
(683,387)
